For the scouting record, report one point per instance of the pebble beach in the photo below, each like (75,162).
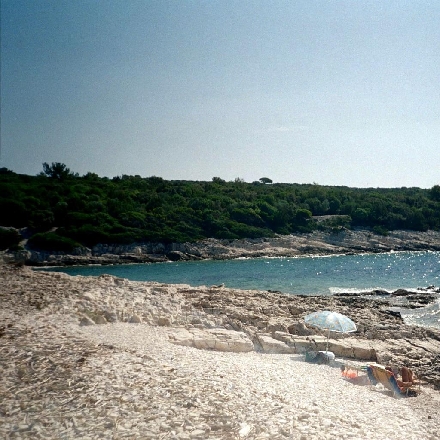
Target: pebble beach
(127,379)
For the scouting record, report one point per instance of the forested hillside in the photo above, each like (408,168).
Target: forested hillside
(62,210)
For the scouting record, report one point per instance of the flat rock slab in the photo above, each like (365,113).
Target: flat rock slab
(271,345)
(211,339)
(348,347)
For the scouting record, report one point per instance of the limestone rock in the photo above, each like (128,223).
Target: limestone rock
(226,319)
(85,320)
(135,319)
(99,319)
(271,345)
(299,328)
(212,339)
(164,321)
(317,242)
(111,316)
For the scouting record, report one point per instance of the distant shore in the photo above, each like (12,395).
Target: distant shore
(344,241)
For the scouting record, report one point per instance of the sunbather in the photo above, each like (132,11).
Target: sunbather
(388,378)
(407,377)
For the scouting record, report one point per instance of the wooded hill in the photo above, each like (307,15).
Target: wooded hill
(62,210)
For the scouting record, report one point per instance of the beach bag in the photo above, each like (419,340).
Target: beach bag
(319,357)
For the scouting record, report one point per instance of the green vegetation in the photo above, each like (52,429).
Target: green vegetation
(9,238)
(64,210)
(50,241)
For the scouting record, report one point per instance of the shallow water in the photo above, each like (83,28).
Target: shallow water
(298,275)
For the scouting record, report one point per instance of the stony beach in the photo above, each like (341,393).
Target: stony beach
(106,358)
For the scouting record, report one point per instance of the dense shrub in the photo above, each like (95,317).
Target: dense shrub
(41,220)
(51,241)
(9,238)
(13,213)
(380,230)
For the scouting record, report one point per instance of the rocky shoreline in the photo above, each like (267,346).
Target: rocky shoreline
(272,321)
(105,357)
(343,241)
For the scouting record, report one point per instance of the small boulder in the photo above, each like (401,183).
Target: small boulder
(85,320)
(99,319)
(134,319)
(401,292)
(111,316)
(177,256)
(300,329)
(163,321)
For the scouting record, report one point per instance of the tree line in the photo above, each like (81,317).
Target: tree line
(62,210)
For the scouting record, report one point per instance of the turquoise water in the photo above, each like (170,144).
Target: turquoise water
(299,275)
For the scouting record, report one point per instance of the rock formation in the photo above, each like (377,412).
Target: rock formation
(217,318)
(316,243)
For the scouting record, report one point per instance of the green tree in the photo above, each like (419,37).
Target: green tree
(57,171)
(265,180)
(434,193)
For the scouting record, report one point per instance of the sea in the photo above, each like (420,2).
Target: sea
(305,275)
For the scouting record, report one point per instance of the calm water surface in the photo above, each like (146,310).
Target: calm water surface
(299,275)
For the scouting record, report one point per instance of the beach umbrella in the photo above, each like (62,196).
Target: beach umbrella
(330,321)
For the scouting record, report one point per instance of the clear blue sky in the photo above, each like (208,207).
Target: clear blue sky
(332,92)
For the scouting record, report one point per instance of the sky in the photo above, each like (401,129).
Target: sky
(305,91)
